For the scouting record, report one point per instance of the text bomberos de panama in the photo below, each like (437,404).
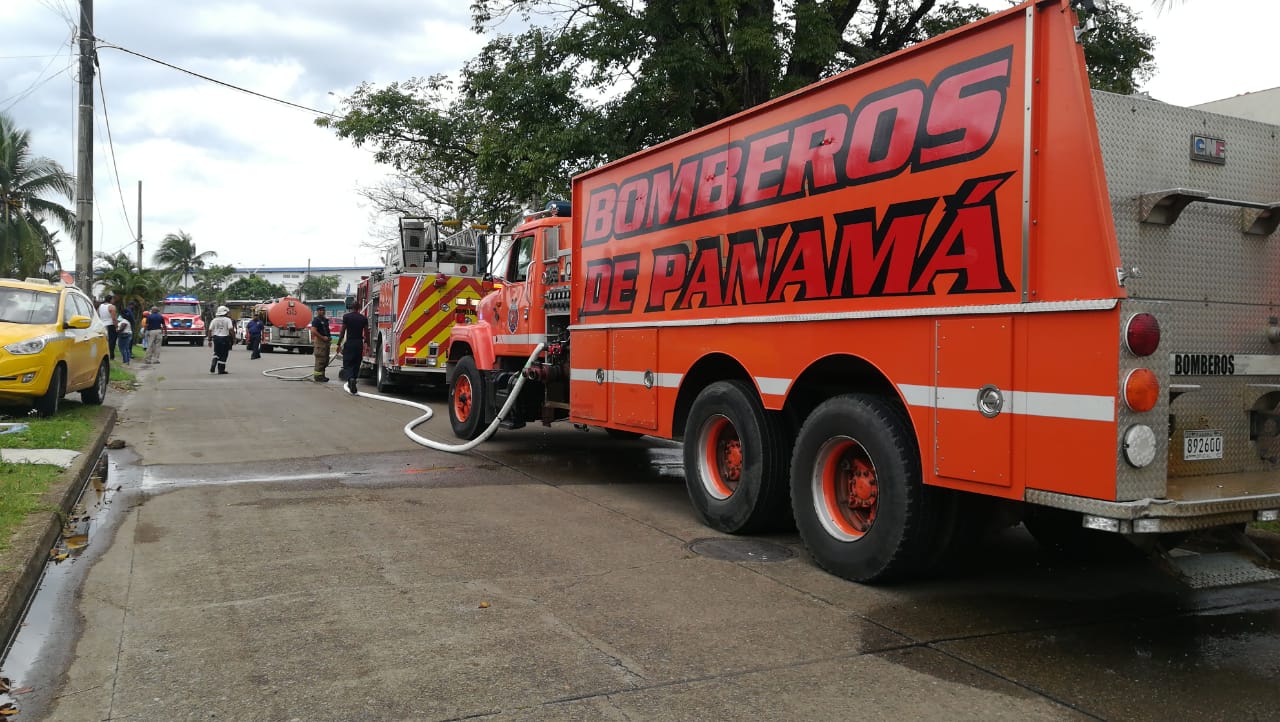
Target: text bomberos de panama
(910,126)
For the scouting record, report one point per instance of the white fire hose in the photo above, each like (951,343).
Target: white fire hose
(484,436)
(409,427)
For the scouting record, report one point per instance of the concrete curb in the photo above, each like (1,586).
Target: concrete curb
(23,562)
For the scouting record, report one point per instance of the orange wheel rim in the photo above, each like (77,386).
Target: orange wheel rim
(846,490)
(462,398)
(722,457)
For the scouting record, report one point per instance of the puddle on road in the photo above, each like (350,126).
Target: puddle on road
(88,527)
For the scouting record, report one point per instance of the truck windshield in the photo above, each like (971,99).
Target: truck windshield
(19,305)
(523,257)
(191,308)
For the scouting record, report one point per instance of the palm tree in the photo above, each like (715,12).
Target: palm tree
(26,244)
(139,289)
(178,253)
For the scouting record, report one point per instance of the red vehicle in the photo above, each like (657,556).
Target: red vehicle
(182,320)
(427,285)
(334,308)
(288,325)
(949,286)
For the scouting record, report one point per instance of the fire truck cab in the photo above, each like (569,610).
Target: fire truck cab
(182,320)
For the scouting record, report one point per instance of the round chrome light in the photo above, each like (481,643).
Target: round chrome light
(1139,445)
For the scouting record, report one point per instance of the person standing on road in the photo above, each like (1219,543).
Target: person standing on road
(155,330)
(107,312)
(320,341)
(253,336)
(351,341)
(124,338)
(222,333)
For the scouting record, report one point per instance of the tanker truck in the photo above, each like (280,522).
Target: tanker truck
(947,286)
(287,325)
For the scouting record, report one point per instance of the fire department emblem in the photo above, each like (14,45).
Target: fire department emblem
(513,319)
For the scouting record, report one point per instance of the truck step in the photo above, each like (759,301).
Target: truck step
(1218,569)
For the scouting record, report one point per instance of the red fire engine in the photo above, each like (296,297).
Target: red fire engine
(426,285)
(949,281)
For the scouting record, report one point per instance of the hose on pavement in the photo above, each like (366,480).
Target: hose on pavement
(428,413)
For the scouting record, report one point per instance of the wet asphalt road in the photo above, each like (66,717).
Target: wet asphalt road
(274,550)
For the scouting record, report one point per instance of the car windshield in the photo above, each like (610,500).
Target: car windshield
(191,308)
(20,305)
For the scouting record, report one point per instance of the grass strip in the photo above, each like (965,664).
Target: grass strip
(70,428)
(21,486)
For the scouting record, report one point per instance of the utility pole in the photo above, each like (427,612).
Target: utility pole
(84,164)
(139,226)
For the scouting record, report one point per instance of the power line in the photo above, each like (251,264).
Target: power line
(111,145)
(39,81)
(61,11)
(219,82)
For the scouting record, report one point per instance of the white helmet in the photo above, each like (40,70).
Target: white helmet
(222,311)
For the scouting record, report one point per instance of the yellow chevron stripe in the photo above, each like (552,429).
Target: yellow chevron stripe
(428,304)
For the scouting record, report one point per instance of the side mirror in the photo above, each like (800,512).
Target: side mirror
(79,322)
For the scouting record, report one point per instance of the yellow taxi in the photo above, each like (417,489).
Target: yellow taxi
(51,343)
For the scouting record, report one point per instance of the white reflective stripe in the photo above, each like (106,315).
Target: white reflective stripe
(527,338)
(627,377)
(1101,304)
(403,316)
(669,381)
(916,395)
(1063,406)
(632,378)
(1028,403)
(772,386)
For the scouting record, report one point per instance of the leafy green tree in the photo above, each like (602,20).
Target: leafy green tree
(313,287)
(26,243)
(255,288)
(1120,57)
(178,253)
(598,79)
(210,282)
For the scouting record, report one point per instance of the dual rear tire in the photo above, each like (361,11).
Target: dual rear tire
(856,490)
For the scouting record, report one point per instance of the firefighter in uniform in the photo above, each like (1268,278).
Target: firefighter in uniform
(222,332)
(320,338)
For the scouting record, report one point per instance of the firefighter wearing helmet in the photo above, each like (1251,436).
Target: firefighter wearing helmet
(222,333)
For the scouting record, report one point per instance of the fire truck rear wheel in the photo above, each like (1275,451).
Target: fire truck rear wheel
(860,503)
(466,400)
(381,376)
(735,460)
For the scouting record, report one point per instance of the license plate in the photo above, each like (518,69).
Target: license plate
(1199,445)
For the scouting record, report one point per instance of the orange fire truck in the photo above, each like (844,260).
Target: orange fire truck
(427,284)
(948,282)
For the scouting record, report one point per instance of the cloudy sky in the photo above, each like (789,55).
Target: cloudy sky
(261,185)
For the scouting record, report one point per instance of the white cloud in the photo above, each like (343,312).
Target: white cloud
(255,181)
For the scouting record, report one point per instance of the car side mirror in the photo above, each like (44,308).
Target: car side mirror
(79,322)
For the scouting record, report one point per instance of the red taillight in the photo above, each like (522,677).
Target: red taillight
(440,279)
(1141,390)
(1142,334)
